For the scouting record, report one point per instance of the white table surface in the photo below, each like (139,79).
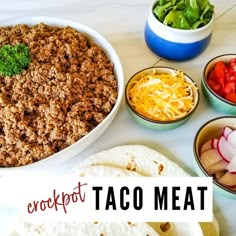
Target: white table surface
(122,23)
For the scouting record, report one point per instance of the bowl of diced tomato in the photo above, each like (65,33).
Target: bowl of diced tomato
(219,83)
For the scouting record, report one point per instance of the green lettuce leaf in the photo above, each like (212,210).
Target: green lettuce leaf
(162,11)
(184,14)
(177,20)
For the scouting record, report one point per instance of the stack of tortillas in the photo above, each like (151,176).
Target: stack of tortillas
(129,160)
(137,160)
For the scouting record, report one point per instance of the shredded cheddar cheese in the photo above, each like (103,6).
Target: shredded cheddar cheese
(162,97)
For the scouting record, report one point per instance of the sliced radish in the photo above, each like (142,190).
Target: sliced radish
(219,174)
(228,179)
(226,149)
(214,142)
(232,138)
(206,146)
(217,167)
(209,157)
(226,131)
(231,167)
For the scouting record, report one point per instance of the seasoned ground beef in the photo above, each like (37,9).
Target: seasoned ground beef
(67,90)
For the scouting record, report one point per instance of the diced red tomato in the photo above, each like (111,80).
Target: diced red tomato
(232,60)
(215,86)
(231,97)
(212,75)
(222,79)
(229,87)
(229,74)
(232,64)
(220,71)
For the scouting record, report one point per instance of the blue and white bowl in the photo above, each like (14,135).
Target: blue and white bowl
(176,44)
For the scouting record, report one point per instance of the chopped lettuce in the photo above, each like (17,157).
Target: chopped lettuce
(176,19)
(162,10)
(184,14)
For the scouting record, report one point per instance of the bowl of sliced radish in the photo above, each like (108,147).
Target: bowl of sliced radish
(161,98)
(215,153)
(219,83)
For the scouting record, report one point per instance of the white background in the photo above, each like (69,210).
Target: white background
(122,23)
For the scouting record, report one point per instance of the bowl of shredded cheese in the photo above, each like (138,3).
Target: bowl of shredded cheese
(161,98)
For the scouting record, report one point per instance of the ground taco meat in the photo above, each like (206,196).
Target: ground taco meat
(68,89)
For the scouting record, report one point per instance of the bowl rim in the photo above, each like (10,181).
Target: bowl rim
(158,121)
(103,42)
(196,156)
(187,31)
(204,79)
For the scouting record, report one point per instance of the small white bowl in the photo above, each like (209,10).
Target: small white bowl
(88,139)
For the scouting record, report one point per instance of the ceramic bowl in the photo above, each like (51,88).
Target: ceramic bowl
(215,101)
(175,44)
(157,124)
(74,149)
(209,130)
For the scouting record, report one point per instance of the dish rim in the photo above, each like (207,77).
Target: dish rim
(196,100)
(204,79)
(110,52)
(196,156)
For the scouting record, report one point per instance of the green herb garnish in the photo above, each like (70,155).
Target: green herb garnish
(13,59)
(184,14)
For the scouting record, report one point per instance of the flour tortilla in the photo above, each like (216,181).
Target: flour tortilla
(210,229)
(165,228)
(141,159)
(105,171)
(26,228)
(109,171)
(130,160)
(146,162)
(83,229)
